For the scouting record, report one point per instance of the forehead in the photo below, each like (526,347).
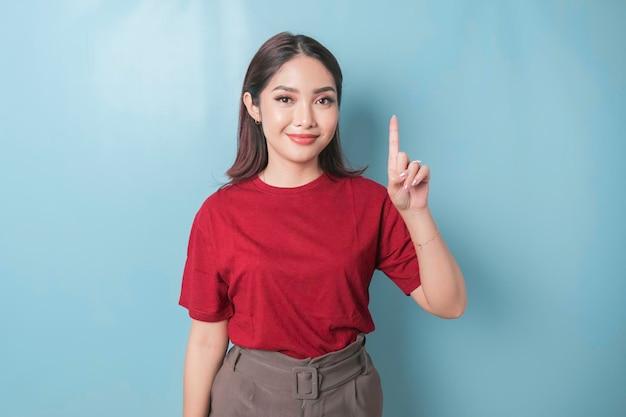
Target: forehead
(302,72)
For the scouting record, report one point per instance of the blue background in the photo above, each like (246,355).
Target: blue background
(118,118)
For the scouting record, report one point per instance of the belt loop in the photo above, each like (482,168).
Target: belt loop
(363,356)
(236,355)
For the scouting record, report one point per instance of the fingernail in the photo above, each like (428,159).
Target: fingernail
(415,182)
(402,174)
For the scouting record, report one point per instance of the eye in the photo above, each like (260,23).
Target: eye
(284,99)
(325,101)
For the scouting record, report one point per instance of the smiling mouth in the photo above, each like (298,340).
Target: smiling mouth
(303,139)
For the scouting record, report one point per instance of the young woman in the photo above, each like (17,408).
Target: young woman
(280,259)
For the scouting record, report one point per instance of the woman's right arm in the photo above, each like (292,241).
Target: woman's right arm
(205,352)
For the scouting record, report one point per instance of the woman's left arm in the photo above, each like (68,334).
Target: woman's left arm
(442,291)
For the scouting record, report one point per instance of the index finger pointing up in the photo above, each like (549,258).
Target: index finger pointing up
(394,144)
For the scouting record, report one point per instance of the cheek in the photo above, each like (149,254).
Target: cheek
(276,119)
(330,123)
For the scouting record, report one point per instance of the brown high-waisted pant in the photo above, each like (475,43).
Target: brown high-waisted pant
(270,384)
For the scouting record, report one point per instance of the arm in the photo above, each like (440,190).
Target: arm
(442,292)
(205,352)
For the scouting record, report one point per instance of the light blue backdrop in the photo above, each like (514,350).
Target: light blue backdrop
(117,118)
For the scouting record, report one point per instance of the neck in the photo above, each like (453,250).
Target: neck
(289,177)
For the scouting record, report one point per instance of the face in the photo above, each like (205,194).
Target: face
(299,112)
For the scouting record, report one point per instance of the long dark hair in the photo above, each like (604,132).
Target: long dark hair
(251,146)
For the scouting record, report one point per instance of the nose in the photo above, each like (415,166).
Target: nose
(303,116)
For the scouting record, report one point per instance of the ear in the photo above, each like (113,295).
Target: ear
(253,110)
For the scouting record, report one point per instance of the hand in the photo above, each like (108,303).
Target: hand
(408,181)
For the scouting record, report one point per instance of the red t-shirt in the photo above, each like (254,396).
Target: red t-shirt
(291,267)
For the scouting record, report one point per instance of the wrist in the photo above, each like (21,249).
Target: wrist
(418,214)
(421,225)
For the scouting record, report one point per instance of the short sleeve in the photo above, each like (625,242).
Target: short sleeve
(204,293)
(396,253)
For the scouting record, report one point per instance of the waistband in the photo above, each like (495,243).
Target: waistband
(305,378)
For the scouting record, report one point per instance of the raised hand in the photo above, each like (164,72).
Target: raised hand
(408,180)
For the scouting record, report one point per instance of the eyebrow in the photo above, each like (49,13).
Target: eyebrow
(294,90)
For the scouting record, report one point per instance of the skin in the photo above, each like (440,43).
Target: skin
(300,99)
(442,292)
(299,113)
(206,349)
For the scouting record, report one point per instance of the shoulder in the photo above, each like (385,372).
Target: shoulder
(365,186)
(221,200)
(226,192)
(363,192)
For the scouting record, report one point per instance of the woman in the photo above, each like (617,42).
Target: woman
(280,259)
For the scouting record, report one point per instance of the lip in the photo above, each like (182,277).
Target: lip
(302,138)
